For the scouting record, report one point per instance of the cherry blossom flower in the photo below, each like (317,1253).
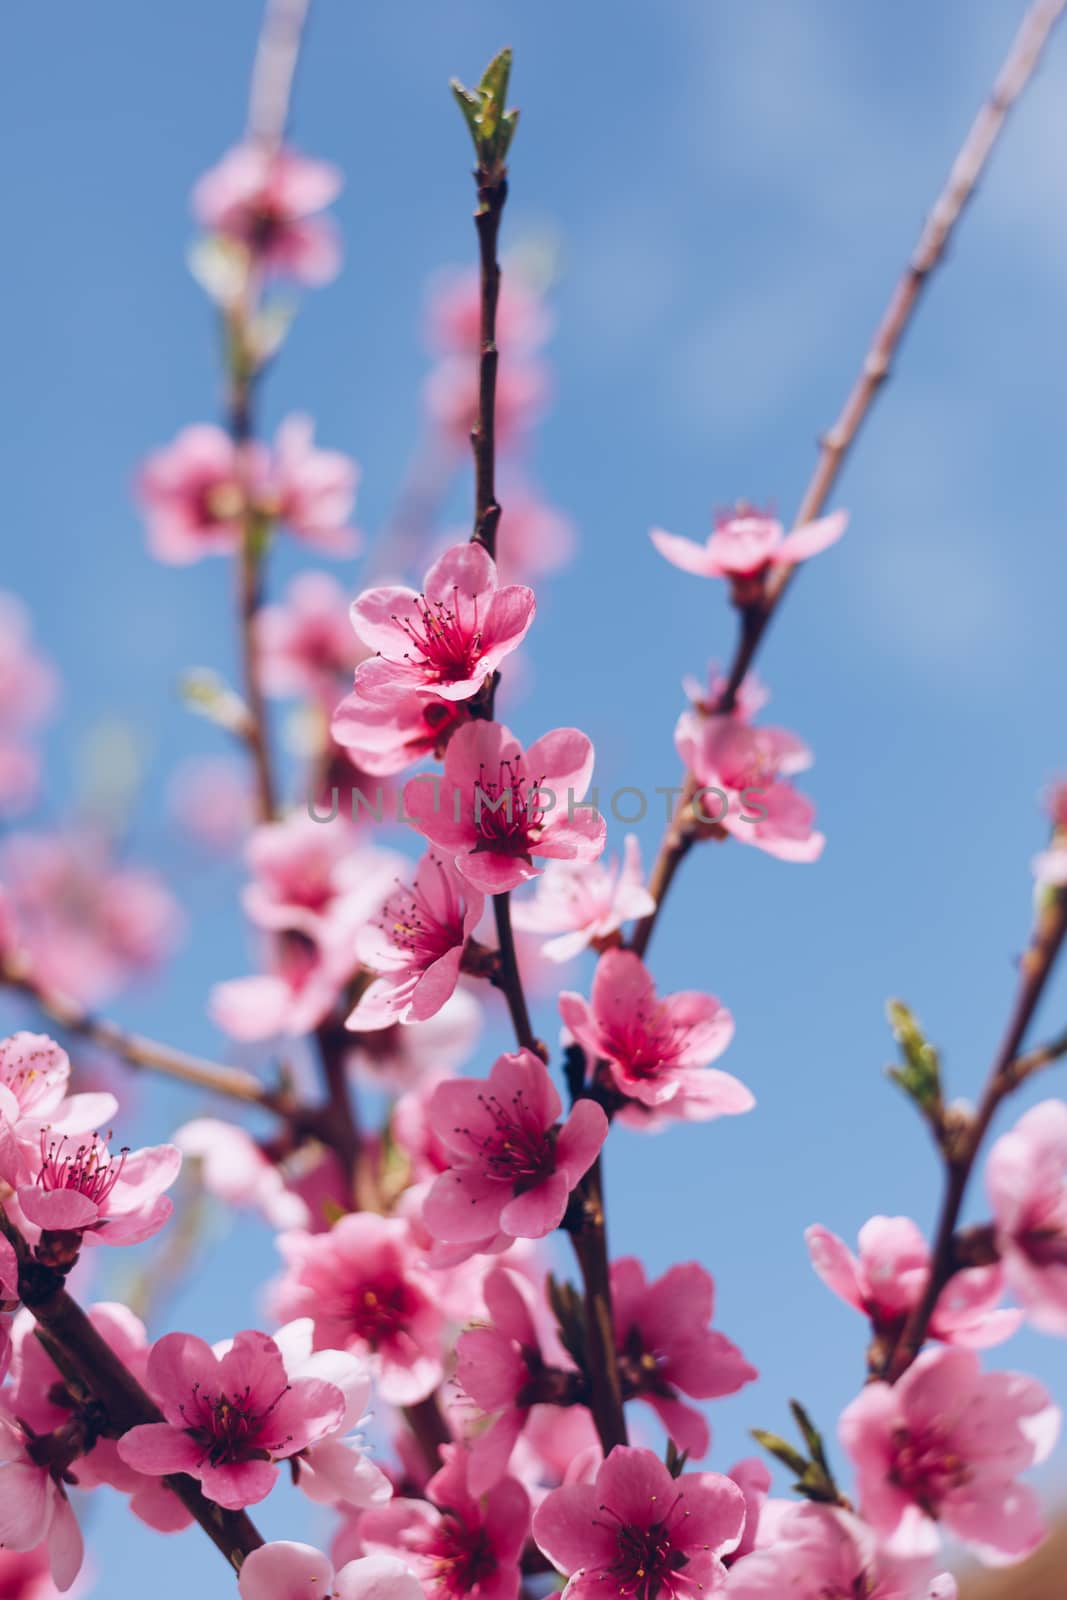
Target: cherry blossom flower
(820,1551)
(28,688)
(457,1545)
(306,643)
(308,874)
(195,492)
(383,739)
(24,1575)
(415,944)
(636,1530)
(234,1169)
(313,491)
(1026,1179)
(534,538)
(754,1481)
(34,1074)
(887,1280)
(211,800)
(745,543)
(512,1168)
(657,1050)
(667,1347)
(744,771)
(583,902)
(86,924)
(444,642)
(268,202)
(752,695)
(285,1570)
(82,1188)
(229,1419)
(34,1508)
(498,807)
(363,1288)
(40,1397)
(494,1368)
(942,1447)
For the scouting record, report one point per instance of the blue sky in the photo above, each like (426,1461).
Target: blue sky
(733,189)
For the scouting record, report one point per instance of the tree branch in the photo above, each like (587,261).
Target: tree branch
(961,1152)
(1022,59)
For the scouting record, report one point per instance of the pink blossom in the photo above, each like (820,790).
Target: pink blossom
(667,1347)
(34,1075)
(28,688)
(195,494)
(313,491)
(494,1368)
(657,1050)
(24,1575)
(512,1168)
(887,1280)
(746,543)
(415,944)
(942,1446)
(444,642)
(229,1418)
(304,872)
(450,394)
(743,771)
(234,1168)
(458,1545)
(534,538)
(820,1551)
(81,1188)
(34,1508)
(268,202)
(583,902)
(754,1481)
(211,800)
(1026,1179)
(306,643)
(382,739)
(498,807)
(1050,867)
(362,1287)
(288,1571)
(87,925)
(39,1396)
(639,1531)
(336,1469)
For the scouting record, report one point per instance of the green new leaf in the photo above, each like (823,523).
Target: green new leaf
(489,123)
(781,1451)
(920,1074)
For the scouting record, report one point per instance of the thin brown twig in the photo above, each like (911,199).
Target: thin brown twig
(961,1151)
(1022,59)
(509,979)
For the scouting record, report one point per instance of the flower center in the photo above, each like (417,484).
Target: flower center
(926,1467)
(518,1151)
(441,639)
(230,1428)
(381,1309)
(461,1557)
(89,1169)
(648,1562)
(507,814)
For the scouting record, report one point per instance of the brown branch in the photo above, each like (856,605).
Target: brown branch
(82,1355)
(961,1151)
(492,193)
(430,1427)
(590,1240)
(835,446)
(141,1052)
(508,979)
